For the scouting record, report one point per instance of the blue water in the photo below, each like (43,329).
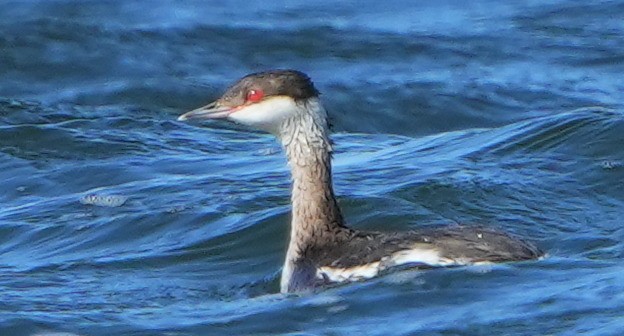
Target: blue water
(502,113)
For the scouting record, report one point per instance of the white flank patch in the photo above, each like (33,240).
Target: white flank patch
(355,273)
(419,256)
(413,256)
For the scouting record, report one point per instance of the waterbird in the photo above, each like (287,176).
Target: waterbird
(323,250)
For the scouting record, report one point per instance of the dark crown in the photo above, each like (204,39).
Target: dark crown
(291,83)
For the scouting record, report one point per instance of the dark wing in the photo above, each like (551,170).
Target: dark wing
(481,244)
(465,244)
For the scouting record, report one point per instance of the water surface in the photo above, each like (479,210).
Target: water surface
(506,114)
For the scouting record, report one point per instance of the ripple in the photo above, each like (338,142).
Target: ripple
(440,119)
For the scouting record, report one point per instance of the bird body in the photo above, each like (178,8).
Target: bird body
(322,249)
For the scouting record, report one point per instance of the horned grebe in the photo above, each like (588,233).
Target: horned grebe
(322,249)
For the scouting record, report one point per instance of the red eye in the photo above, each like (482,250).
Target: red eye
(254,96)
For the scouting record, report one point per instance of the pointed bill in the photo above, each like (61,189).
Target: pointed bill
(210,111)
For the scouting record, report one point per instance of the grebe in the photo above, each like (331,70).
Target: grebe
(322,249)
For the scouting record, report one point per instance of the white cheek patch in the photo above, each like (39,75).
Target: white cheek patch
(266,115)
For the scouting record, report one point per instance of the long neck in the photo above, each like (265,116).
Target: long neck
(316,216)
